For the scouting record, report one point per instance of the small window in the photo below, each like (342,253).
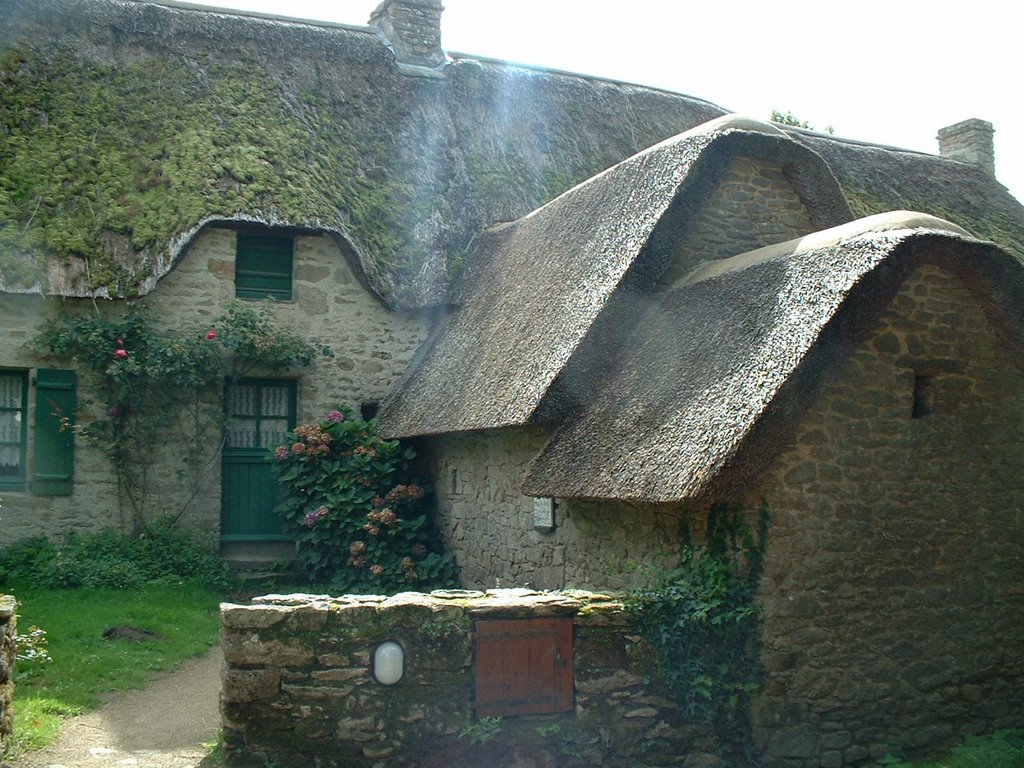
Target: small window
(260,413)
(924,396)
(523,666)
(263,267)
(13,428)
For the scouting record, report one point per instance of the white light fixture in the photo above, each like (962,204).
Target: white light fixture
(388,663)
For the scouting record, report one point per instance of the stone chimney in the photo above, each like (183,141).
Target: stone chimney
(969,142)
(413,27)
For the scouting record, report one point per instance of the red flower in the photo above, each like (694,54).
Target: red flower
(121,354)
(211,335)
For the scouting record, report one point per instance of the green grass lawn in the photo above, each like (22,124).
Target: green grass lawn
(85,664)
(1004,749)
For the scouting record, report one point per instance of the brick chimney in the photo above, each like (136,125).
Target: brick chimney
(413,27)
(969,142)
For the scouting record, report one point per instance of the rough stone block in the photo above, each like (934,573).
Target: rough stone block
(238,685)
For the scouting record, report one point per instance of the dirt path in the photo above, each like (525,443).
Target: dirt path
(161,726)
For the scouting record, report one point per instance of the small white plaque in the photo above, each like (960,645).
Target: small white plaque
(544,514)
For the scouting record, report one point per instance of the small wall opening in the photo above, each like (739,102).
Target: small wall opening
(924,396)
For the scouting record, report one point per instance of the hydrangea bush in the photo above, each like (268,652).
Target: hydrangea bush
(358,520)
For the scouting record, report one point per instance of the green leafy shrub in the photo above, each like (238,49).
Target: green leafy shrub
(110,560)
(351,507)
(703,622)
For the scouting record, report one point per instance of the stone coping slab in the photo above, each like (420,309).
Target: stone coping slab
(587,608)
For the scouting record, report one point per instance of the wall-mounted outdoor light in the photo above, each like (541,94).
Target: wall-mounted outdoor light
(388,663)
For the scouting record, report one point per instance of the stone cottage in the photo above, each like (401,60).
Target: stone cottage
(597,308)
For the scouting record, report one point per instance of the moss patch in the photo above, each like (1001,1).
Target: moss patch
(110,163)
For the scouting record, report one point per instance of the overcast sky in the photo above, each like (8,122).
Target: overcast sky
(891,72)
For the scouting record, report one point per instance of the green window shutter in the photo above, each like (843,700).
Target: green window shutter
(54,439)
(263,267)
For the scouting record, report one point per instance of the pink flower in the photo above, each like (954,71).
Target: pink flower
(376,570)
(211,335)
(120,342)
(309,520)
(121,354)
(336,417)
(387,517)
(357,547)
(281,452)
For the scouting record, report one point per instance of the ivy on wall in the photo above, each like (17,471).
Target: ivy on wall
(159,390)
(703,623)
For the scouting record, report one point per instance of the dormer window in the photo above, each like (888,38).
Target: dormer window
(263,267)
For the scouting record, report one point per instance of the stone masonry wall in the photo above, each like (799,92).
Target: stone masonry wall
(8,651)
(753,205)
(298,689)
(91,505)
(372,346)
(893,592)
(488,523)
(969,141)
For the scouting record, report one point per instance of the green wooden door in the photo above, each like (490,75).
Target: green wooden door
(259,413)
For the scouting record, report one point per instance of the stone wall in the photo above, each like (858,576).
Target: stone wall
(298,689)
(8,627)
(894,582)
(372,346)
(754,204)
(488,524)
(92,504)
(413,27)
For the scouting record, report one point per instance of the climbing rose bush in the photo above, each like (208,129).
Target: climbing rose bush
(358,519)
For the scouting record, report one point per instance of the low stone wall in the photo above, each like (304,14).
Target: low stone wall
(298,688)
(8,622)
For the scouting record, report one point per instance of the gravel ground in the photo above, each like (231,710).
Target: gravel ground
(161,726)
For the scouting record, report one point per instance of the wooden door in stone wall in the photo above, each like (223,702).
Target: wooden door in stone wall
(259,414)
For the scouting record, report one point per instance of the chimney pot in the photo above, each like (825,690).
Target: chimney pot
(969,141)
(413,27)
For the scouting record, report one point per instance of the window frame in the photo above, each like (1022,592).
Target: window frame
(20,481)
(255,280)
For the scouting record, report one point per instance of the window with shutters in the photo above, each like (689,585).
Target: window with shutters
(263,267)
(523,666)
(13,428)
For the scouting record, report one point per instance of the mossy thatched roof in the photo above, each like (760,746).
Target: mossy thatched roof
(125,127)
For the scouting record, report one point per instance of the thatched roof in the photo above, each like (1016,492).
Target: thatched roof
(537,286)
(716,369)
(127,126)
(877,179)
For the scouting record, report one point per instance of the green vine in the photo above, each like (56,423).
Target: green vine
(703,622)
(159,388)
